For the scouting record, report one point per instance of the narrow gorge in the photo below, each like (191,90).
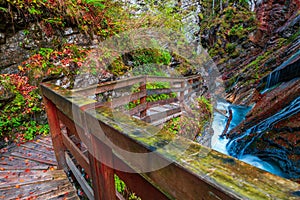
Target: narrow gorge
(255,46)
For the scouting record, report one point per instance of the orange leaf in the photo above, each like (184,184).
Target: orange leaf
(21,180)
(17,186)
(2,169)
(51,168)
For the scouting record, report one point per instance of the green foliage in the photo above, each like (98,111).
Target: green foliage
(192,124)
(2,9)
(229,13)
(142,57)
(45,52)
(230,48)
(101,17)
(234,25)
(206,102)
(173,126)
(123,190)
(17,117)
(97,3)
(236,30)
(154,97)
(120,185)
(52,63)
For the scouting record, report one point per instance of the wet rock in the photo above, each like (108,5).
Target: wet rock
(285,72)
(272,15)
(270,103)
(70,31)
(85,80)
(279,141)
(280,145)
(15,48)
(2,38)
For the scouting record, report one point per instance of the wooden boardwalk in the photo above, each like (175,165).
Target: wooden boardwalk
(28,171)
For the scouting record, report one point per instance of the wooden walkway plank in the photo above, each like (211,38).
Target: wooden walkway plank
(38,147)
(28,171)
(34,190)
(69,193)
(30,154)
(9,179)
(13,163)
(49,146)
(46,140)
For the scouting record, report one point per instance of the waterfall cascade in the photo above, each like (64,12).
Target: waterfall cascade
(286,71)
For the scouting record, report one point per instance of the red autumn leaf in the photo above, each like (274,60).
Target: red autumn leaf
(27,170)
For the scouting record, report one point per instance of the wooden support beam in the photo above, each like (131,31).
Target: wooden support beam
(55,131)
(101,160)
(82,182)
(75,151)
(143,100)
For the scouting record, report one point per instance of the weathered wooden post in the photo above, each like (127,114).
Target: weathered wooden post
(101,162)
(182,85)
(56,135)
(143,100)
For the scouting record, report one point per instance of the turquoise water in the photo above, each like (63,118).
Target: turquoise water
(219,144)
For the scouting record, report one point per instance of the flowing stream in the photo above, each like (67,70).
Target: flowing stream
(221,144)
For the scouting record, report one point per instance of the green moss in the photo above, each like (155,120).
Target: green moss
(292,38)
(230,83)
(230,48)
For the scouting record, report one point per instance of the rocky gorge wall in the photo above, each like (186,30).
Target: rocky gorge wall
(247,47)
(16,48)
(272,62)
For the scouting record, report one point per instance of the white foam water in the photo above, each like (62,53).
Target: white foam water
(219,144)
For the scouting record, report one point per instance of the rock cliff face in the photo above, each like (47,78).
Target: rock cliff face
(246,50)
(272,62)
(20,46)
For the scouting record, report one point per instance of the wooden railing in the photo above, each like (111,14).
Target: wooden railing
(120,94)
(153,164)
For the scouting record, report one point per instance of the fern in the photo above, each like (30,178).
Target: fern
(3,9)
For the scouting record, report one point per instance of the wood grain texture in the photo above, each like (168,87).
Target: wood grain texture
(28,171)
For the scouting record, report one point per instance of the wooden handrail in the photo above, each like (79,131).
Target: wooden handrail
(183,87)
(190,171)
